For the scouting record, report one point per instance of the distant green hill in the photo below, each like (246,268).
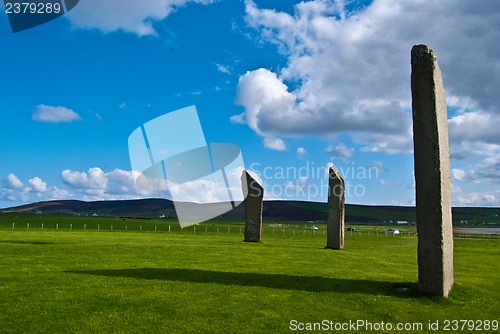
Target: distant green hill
(291,211)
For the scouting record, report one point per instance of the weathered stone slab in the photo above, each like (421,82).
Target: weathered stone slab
(253,203)
(336,200)
(432,174)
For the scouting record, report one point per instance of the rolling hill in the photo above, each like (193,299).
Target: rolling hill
(291,211)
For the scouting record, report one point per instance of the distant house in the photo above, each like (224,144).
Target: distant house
(402,222)
(95,215)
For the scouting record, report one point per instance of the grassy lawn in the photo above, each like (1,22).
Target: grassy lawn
(83,281)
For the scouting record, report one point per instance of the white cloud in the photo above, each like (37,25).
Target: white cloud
(262,93)
(478,199)
(301,152)
(95,184)
(199,191)
(92,182)
(488,170)
(37,184)
(458,174)
(14,191)
(14,182)
(351,70)
(238,119)
(340,151)
(223,69)
(51,114)
(131,16)
(274,144)
(476,130)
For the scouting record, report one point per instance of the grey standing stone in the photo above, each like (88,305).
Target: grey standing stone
(253,203)
(336,201)
(432,174)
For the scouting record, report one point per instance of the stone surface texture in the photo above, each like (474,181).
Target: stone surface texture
(253,203)
(432,174)
(336,201)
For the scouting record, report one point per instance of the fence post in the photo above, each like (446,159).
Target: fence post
(42,226)
(28,226)
(13,224)
(70,226)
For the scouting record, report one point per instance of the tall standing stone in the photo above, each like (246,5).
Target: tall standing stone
(253,203)
(432,174)
(336,200)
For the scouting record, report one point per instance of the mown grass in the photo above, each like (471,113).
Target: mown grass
(61,281)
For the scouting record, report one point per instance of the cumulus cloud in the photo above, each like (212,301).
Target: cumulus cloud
(488,169)
(51,114)
(340,152)
(14,190)
(38,184)
(14,182)
(478,199)
(261,92)
(458,174)
(131,16)
(350,70)
(274,144)
(96,184)
(92,182)
(476,130)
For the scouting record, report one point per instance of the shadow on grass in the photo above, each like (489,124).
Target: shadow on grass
(274,281)
(26,242)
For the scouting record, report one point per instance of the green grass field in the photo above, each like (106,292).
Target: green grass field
(90,281)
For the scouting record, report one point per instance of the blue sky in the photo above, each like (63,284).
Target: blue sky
(297,86)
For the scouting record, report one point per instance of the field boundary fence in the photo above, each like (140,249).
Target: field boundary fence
(214,229)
